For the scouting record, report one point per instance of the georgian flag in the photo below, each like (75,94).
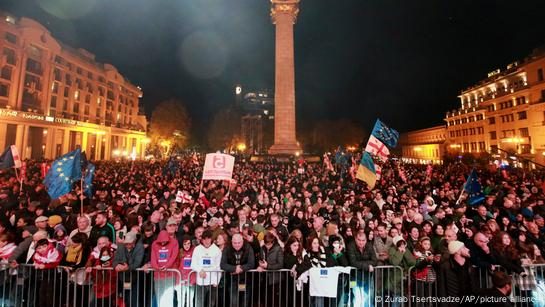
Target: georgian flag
(378,171)
(10,158)
(377,148)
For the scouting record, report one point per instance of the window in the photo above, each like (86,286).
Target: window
(480,130)
(86,110)
(540,74)
(12,38)
(451,134)
(466,146)
(10,56)
(493,135)
(481,146)
(491,120)
(79,71)
(34,67)
(521,115)
(4,90)
(473,146)
(491,108)
(76,108)
(57,74)
(480,117)
(53,103)
(6,73)
(524,132)
(55,87)
(520,100)
(66,92)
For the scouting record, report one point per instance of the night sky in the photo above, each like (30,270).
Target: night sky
(402,61)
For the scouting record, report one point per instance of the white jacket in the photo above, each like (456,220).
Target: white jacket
(208,260)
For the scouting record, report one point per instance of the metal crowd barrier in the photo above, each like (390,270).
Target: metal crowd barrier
(25,285)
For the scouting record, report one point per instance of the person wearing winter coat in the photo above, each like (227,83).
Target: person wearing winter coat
(236,260)
(46,257)
(164,256)
(129,257)
(205,263)
(271,259)
(362,256)
(188,279)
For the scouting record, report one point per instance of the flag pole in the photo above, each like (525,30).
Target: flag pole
(81,188)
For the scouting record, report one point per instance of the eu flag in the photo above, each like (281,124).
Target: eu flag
(88,179)
(63,173)
(385,134)
(473,189)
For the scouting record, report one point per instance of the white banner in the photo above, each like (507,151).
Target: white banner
(218,167)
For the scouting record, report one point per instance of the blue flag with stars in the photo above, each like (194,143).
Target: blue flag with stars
(63,173)
(385,134)
(88,179)
(473,189)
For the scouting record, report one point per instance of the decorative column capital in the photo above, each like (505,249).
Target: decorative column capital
(290,7)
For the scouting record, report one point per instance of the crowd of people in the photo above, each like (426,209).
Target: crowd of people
(290,216)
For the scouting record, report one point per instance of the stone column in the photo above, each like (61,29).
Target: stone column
(284,14)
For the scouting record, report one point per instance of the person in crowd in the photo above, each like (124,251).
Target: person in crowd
(454,279)
(164,257)
(271,259)
(129,257)
(362,256)
(315,256)
(46,257)
(236,260)
(500,293)
(188,279)
(425,269)
(83,226)
(205,263)
(103,277)
(101,228)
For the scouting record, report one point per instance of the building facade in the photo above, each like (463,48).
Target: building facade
(257,119)
(423,146)
(54,98)
(503,113)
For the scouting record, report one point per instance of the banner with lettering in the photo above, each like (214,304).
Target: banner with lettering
(218,166)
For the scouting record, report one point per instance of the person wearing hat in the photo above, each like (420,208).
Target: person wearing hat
(453,278)
(41,222)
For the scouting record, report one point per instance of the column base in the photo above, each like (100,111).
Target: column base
(285,149)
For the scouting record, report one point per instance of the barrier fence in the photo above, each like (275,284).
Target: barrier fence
(25,285)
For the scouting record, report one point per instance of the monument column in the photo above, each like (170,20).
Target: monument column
(284,15)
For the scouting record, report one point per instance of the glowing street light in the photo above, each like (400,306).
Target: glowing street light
(241,147)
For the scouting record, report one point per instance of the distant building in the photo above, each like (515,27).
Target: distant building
(257,122)
(54,98)
(423,146)
(505,111)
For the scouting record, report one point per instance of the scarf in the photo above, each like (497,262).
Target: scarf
(7,250)
(74,254)
(51,256)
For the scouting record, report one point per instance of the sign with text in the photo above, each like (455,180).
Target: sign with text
(218,167)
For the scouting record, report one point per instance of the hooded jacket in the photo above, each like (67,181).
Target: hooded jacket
(164,256)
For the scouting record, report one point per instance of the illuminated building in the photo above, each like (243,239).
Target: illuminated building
(54,98)
(504,112)
(423,146)
(257,119)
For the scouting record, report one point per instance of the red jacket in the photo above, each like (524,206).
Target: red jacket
(50,258)
(185,266)
(164,256)
(104,280)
